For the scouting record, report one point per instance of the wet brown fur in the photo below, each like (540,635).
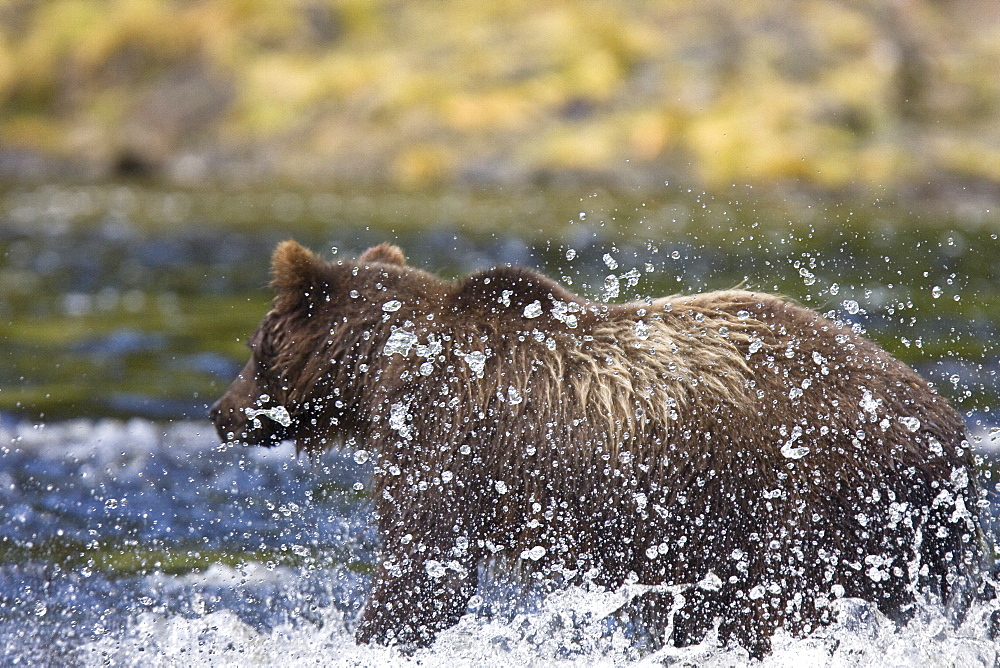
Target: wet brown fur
(652,443)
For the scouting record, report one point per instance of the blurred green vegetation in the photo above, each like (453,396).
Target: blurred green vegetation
(821,93)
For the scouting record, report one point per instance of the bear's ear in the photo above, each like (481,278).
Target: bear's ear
(383,254)
(295,268)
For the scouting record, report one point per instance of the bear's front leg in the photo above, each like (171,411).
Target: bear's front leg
(416,595)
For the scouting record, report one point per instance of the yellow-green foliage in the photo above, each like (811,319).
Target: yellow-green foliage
(756,91)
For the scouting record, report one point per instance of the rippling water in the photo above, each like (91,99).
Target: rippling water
(136,543)
(127,301)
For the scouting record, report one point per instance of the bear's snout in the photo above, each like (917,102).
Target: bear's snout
(250,423)
(230,423)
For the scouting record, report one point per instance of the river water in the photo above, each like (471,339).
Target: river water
(138,544)
(129,536)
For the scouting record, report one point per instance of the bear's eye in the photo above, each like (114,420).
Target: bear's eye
(266,343)
(264,351)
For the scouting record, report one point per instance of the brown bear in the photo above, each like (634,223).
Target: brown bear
(756,457)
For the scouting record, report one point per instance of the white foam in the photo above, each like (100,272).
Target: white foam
(861,638)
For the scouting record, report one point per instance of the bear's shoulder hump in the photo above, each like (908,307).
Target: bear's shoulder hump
(510,288)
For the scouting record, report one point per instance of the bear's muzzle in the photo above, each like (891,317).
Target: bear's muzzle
(250,425)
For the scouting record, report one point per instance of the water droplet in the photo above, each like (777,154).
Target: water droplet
(852,306)
(570,254)
(399,342)
(501,486)
(869,403)
(611,287)
(278,413)
(641,330)
(789,449)
(435,568)
(392,305)
(399,416)
(535,553)
(632,277)
(610,261)
(533,310)
(936,291)
(711,582)
(477,362)
(361,456)
(911,423)
(794,452)
(561,311)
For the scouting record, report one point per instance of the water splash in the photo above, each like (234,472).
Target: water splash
(241,556)
(277,413)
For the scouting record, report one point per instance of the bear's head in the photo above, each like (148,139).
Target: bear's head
(323,360)
(310,356)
